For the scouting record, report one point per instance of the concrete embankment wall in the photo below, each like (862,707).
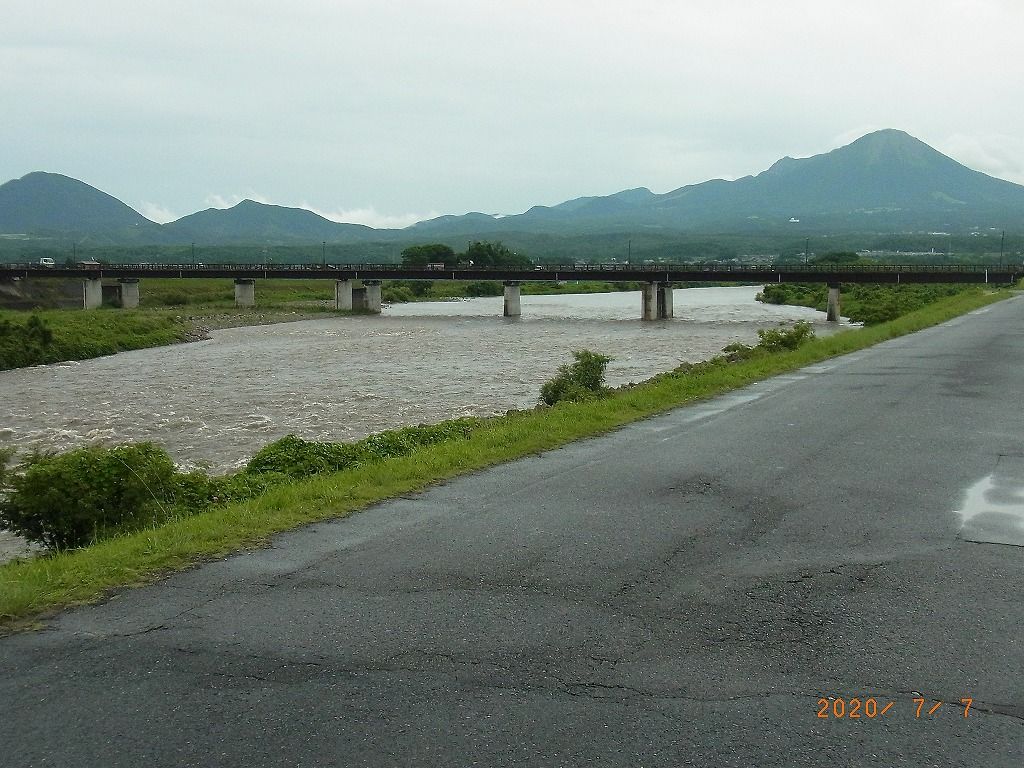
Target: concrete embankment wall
(48,294)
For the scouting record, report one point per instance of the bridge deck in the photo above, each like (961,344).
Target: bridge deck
(674,273)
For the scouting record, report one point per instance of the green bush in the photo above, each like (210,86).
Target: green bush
(580,380)
(24,344)
(396,294)
(75,498)
(771,340)
(778,339)
(484,288)
(415,287)
(54,335)
(294,457)
(863,302)
(69,500)
(175,298)
(196,492)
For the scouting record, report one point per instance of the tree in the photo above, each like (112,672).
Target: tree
(580,380)
(432,253)
(486,254)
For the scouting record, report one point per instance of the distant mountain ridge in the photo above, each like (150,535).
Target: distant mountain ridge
(262,223)
(886,181)
(50,202)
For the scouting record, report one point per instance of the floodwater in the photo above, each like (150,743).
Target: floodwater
(214,403)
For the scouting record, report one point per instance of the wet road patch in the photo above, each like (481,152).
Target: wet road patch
(992,511)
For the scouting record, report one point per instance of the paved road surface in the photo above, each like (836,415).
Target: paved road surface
(681,592)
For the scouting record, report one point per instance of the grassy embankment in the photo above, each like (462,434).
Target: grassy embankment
(58,335)
(864,303)
(31,587)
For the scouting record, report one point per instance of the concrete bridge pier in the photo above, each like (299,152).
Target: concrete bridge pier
(665,300)
(245,292)
(656,301)
(372,296)
(92,293)
(343,294)
(513,308)
(648,301)
(832,308)
(129,292)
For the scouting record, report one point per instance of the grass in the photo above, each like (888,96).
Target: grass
(32,587)
(220,292)
(79,335)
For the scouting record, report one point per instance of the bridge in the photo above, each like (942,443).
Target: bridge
(656,279)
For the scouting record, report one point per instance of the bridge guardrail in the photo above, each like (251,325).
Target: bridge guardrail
(562,270)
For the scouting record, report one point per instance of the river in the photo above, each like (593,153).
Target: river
(214,403)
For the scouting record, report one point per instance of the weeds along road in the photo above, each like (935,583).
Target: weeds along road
(694,589)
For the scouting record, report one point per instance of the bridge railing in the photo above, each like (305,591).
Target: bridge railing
(577,268)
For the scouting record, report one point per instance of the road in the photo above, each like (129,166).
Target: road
(681,592)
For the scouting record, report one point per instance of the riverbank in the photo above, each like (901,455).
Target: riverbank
(53,335)
(33,587)
(61,335)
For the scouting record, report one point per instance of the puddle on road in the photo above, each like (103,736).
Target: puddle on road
(993,508)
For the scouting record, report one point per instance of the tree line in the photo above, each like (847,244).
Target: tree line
(479,253)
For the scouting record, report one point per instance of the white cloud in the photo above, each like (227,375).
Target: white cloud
(156,212)
(371,217)
(997,155)
(367,215)
(230,201)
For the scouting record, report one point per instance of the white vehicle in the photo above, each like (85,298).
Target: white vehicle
(46,261)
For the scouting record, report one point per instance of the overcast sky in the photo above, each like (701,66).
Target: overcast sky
(385,113)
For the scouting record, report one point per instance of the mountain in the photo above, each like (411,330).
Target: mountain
(48,204)
(884,181)
(250,222)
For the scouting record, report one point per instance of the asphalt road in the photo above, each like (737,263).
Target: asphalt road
(683,591)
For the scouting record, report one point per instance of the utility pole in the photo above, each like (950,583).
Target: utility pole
(324,246)
(1002,242)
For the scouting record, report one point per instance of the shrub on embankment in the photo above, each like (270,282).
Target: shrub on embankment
(863,303)
(73,499)
(53,336)
(583,379)
(771,341)
(68,500)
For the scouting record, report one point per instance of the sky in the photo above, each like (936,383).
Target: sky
(385,113)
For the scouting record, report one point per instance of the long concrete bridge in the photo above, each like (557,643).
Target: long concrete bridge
(656,279)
